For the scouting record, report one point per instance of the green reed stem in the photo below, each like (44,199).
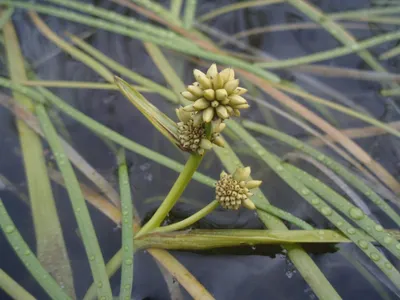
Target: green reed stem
(93,22)
(112,64)
(320,205)
(5,16)
(190,220)
(29,260)
(176,191)
(127,226)
(330,163)
(81,211)
(79,85)
(203,239)
(159,10)
(189,13)
(176,7)
(12,288)
(390,53)
(235,6)
(281,214)
(329,54)
(390,92)
(354,213)
(350,14)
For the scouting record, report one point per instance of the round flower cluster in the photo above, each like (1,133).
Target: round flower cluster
(232,191)
(192,134)
(215,95)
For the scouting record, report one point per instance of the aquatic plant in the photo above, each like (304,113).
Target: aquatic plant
(209,118)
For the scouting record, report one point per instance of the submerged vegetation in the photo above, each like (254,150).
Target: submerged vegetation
(211,117)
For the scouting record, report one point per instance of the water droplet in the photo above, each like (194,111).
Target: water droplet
(9,229)
(128,261)
(91,258)
(100,284)
(326,211)
(388,266)
(351,230)
(102,298)
(78,210)
(339,223)
(375,256)
(321,157)
(379,228)
(27,252)
(127,286)
(315,201)
(321,232)
(125,213)
(363,244)
(388,240)
(356,213)
(305,192)
(279,168)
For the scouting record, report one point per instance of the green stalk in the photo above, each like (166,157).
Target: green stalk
(390,53)
(176,7)
(350,14)
(330,163)
(176,191)
(78,85)
(190,220)
(5,16)
(12,288)
(347,229)
(281,214)
(354,213)
(189,13)
(26,256)
(79,206)
(204,239)
(235,6)
(159,10)
(50,244)
(127,227)
(329,54)
(390,92)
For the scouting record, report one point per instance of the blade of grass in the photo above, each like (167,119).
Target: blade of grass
(330,163)
(12,288)
(50,245)
(390,92)
(127,226)
(78,85)
(29,260)
(329,54)
(350,14)
(189,13)
(235,6)
(5,16)
(81,211)
(390,53)
(176,7)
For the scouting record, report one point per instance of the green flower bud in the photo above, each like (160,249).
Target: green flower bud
(201,104)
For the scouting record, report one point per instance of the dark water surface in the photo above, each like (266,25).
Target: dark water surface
(267,274)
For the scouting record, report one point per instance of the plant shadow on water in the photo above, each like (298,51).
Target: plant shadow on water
(242,272)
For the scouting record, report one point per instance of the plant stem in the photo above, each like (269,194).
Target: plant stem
(175,8)
(29,260)
(176,191)
(5,16)
(190,220)
(79,85)
(81,211)
(189,13)
(127,226)
(281,214)
(12,288)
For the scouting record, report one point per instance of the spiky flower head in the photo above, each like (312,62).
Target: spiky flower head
(192,133)
(215,95)
(233,191)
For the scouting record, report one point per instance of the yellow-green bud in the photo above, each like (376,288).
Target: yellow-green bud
(221,94)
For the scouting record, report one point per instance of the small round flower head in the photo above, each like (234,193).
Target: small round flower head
(192,134)
(232,191)
(215,95)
